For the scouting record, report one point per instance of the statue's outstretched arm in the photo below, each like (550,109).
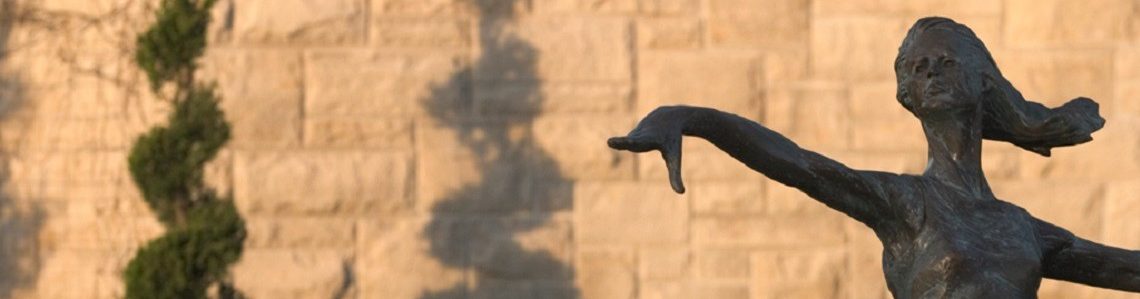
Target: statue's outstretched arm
(859,194)
(1071,258)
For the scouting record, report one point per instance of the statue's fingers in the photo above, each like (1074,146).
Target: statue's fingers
(672,154)
(630,144)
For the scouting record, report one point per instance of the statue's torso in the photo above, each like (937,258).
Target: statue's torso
(960,247)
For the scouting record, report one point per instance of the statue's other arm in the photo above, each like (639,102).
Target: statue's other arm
(1071,258)
(859,194)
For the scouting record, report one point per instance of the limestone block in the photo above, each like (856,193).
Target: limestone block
(62,175)
(799,274)
(284,273)
(1111,155)
(528,98)
(754,24)
(606,273)
(814,116)
(856,48)
(1121,226)
(669,33)
(768,232)
(514,289)
(503,172)
(78,97)
(880,122)
(1065,23)
(314,183)
(401,32)
(669,7)
(299,232)
(660,263)
(304,22)
(865,278)
(887,135)
(79,274)
(1053,77)
(723,264)
(1127,91)
(434,8)
(690,289)
(567,140)
(786,65)
(87,230)
(521,248)
(366,83)
(920,7)
(586,6)
(725,81)
(409,257)
(738,197)
(1078,207)
(261,94)
(1126,98)
(92,8)
(627,212)
(558,49)
(358,133)
(1001,164)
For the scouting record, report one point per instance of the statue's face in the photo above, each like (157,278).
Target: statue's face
(942,75)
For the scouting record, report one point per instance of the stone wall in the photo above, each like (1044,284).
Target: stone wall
(456,148)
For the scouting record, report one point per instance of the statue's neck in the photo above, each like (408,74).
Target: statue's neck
(955,151)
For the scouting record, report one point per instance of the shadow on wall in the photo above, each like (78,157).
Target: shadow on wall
(20,221)
(475,228)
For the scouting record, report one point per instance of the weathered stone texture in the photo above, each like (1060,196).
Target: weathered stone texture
(261,95)
(816,117)
(276,273)
(322,183)
(364,83)
(395,259)
(1032,23)
(1075,205)
(420,33)
(752,24)
(766,232)
(606,273)
(558,49)
(299,22)
(662,263)
(635,213)
(726,81)
(669,33)
(799,274)
(363,132)
(856,48)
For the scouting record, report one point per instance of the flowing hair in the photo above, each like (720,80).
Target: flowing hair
(1008,115)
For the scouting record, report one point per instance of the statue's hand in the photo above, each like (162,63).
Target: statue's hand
(660,130)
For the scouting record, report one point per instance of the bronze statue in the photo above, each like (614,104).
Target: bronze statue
(944,233)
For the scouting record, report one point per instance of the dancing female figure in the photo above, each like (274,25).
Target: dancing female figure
(944,233)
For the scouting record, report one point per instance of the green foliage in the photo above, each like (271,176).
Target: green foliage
(204,233)
(168,50)
(166,163)
(185,262)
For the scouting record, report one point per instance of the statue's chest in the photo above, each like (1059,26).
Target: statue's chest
(970,248)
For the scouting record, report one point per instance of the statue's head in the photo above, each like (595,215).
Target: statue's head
(943,68)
